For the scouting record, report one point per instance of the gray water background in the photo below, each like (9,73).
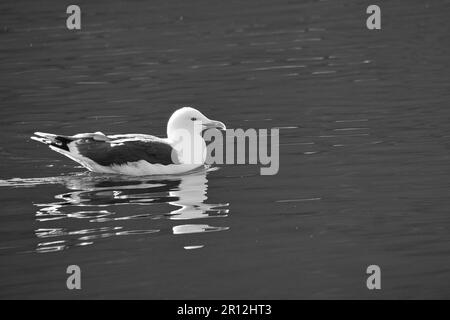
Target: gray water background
(364,149)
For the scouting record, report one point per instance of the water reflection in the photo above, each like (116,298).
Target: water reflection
(94,204)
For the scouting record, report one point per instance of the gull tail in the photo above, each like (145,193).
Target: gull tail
(54,141)
(62,145)
(67,145)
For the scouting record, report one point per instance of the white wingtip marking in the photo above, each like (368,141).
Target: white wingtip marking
(44,135)
(42,140)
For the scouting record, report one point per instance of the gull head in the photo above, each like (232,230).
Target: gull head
(188,119)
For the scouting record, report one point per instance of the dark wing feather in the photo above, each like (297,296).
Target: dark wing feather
(117,152)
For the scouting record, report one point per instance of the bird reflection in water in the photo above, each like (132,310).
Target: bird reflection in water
(95,198)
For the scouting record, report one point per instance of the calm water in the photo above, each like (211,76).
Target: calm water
(364,156)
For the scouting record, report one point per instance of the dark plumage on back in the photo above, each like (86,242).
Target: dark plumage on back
(121,151)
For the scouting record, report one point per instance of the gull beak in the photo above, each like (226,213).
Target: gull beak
(214,124)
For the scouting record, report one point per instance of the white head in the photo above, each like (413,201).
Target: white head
(184,130)
(187,118)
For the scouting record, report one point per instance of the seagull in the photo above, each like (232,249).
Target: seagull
(182,151)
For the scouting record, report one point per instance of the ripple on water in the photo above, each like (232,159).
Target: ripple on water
(94,200)
(196,228)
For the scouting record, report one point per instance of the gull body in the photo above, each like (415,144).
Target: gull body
(139,154)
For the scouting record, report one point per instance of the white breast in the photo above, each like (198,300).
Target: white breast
(143,168)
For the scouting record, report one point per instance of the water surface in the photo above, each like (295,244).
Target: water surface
(364,149)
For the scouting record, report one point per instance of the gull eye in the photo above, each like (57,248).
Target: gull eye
(194,119)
